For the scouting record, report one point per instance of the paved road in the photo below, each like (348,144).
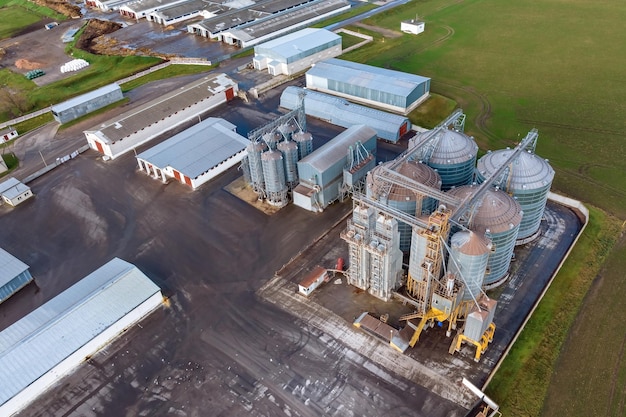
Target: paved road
(365,15)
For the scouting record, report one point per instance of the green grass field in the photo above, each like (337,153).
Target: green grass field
(13,19)
(512,66)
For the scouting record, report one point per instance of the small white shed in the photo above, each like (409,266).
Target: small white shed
(13,192)
(312,281)
(413,26)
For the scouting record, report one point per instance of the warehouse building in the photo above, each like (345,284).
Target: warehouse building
(340,112)
(195,155)
(14,275)
(106,5)
(51,341)
(125,132)
(322,172)
(266,20)
(13,192)
(86,103)
(180,12)
(141,8)
(297,51)
(396,91)
(7,134)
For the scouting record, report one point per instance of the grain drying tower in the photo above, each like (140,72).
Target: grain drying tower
(498,216)
(404,199)
(526,177)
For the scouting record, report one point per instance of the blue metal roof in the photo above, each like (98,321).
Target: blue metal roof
(374,78)
(37,343)
(297,42)
(10,267)
(197,149)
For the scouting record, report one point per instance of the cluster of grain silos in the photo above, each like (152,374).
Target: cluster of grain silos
(271,163)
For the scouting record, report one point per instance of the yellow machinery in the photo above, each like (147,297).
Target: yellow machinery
(481,345)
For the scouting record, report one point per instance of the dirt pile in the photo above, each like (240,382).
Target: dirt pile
(95,29)
(60,6)
(26,64)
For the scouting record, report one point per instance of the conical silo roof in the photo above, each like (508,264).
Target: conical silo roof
(470,243)
(496,210)
(414,170)
(528,171)
(453,148)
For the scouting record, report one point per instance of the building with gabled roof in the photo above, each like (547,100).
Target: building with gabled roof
(195,155)
(48,343)
(396,91)
(14,275)
(14,192)
(296,51)
(125,132)
(86,103)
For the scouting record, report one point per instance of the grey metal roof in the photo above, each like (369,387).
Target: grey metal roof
(187,7)
(528,171)
(42,339)
(454,147)
(496,210)
(143,5)
(140,117)
(336,149)
(197,149)
(343,113)
(395,82)
(10,267)
(12,188)
(83,98)
(296,42)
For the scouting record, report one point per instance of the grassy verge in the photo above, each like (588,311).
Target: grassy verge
(34,123)
(430,113)
(11,162)
(30,6)
(353,11)
(13,19)
(170,71)
(521,383)
(348,40)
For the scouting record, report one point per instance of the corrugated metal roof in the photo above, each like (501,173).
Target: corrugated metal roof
(374,78)
(528,171)
(454,148)
(10,267)
(12,187)
(337,148)
(297,42)
(343,113)
(197,149)
(150,113)
(188,7)
(41,340)
(83,98)
(143,5)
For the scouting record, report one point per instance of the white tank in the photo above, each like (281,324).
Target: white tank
(274,175)
(469,254)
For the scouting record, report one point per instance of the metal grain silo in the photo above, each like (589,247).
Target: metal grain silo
(402,198)
(498,216)
(274,175)
(254,150)
(469,254)
(454,157)
(528,179)
(290,160)
(305,143)
(272,139)
(288,129)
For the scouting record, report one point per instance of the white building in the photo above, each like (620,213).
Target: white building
(14,275)
(7,134)
(413,26)
(297,51)
(141,8)
(125,132)
(315,278)
(48,343)
(195,155)
(13,192)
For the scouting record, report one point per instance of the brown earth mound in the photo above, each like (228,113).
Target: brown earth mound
(26,64)
(94,29)
(62,7)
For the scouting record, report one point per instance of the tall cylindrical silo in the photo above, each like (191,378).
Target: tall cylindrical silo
(290,159)
(254,150)
(274,175)
(529,179)
(469,254)
(287,129)
(419,248)
(272,139)
(305,143)
(402,198)
(454,158)
(498,217)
